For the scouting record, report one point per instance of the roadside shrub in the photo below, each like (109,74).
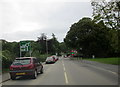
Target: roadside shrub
(7,59)
(41,57)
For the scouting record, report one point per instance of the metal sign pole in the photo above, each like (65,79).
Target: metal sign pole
(30,52)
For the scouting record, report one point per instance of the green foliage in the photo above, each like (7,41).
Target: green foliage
(114,61)
(49,46)
(11,50)
(63,47)
(7,59)
(91,37)
(55,45)
(109,12)
(114,42)
(43,57)
(12,47)
(42,42)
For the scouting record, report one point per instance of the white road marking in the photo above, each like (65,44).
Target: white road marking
(65,74)
(66,79)
(105,70)
(63,65)
(64,69)
(113,72)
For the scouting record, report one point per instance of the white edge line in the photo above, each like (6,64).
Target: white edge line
(104,69)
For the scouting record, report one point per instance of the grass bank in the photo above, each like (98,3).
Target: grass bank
(113,61)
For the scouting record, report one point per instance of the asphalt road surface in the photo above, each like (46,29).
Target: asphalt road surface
(69,72)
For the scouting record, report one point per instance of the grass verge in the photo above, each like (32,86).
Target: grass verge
(113,61)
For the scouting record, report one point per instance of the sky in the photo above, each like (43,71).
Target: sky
(27,19)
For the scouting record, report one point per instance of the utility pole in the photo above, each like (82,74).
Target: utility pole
(46,46)
(20,50)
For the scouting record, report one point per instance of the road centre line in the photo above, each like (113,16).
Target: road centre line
(66,79)
(64,69)
(63,65)
(65,74)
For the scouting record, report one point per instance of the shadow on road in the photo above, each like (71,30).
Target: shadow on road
(26,77)
(23,78)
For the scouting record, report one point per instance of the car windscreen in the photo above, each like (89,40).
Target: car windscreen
(21,61)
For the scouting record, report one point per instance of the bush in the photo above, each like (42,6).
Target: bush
(7,59)
(42,57)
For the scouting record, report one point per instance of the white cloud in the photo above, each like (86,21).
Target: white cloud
(27,19)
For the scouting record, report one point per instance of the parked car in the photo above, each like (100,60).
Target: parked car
(56,58)
(50,60)
(25,66)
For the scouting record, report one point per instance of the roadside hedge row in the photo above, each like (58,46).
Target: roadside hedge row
(7,59)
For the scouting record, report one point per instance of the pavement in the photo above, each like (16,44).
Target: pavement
(5,77)
(87,66)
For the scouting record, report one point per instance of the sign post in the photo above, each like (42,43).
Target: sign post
(25,46)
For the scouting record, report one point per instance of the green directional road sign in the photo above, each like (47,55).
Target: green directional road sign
(25,46)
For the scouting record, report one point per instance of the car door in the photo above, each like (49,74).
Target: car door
(37,64)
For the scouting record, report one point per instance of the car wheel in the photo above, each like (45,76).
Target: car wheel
(34,75)
(13,77)
(41,71)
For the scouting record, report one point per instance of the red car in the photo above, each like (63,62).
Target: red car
(24,66)
(55,57)
(50,60)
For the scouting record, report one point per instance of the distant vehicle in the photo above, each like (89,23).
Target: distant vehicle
(24,66)
(65,56)
(50,60)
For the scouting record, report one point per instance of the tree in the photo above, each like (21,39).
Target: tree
(15,48)
(50,46)
(10,50)
(91,37)
(63,47)
(109,12)
(42,42)
(55,45)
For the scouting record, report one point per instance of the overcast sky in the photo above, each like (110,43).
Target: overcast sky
(27,19)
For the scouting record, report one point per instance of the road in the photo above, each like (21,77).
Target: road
(69,72)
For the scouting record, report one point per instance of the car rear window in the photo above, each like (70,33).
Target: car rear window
(49,58)
(21,61)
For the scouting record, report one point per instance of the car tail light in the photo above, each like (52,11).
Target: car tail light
(11,68)
(31,66)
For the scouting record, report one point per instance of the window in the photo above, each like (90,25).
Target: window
(22,61)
